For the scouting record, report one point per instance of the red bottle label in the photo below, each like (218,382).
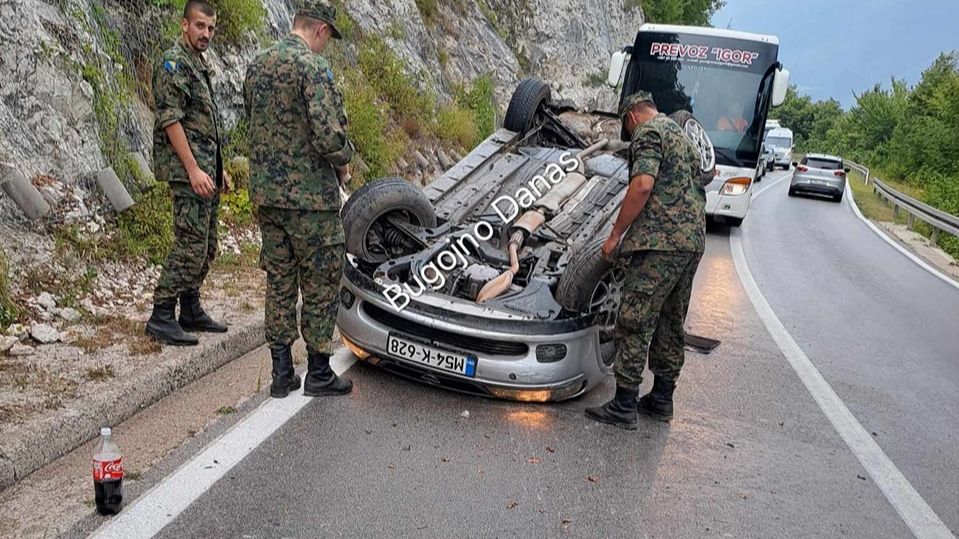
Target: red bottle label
(109,470)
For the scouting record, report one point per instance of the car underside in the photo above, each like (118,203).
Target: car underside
(490,280)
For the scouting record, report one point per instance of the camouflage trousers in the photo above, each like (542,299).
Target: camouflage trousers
(194,243)
(650,324)
(302,252)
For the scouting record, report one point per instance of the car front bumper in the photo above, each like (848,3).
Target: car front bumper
(506,350)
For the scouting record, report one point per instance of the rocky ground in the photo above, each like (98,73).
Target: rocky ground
(81,320)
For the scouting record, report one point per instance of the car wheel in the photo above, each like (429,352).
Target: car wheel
(592,284)
(837,198)
(792,192)
(366,217)
(525,105)
(697,134)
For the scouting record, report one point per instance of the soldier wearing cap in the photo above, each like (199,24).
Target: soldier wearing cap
(299,159)
(662,227)
(186,153)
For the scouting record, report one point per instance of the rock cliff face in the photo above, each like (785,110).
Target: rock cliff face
(60,60)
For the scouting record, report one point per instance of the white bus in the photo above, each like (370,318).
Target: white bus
(728,80)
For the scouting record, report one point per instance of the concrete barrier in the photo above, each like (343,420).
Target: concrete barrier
(23,192)
(111,185)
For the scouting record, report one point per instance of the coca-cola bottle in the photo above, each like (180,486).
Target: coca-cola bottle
(108,474)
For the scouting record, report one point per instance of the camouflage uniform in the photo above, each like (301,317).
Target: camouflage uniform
(184,93)
(298,126)
(660,253)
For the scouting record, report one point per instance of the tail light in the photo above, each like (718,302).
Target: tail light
(801,168)
(839,173)
(736,186)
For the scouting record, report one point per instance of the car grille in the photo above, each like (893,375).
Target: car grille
(466,342)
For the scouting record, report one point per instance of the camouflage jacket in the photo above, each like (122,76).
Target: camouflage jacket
(674,218)
(297,127)
(183,93)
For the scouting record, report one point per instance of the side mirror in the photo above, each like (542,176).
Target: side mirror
(795,164)
(847,169)
(617,63)
(780,85)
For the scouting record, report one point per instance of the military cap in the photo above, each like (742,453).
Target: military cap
(317,9)
(635,99)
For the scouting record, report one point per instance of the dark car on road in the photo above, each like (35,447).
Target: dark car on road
(819,174)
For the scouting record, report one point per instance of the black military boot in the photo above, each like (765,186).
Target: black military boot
(621,411)
(321,380)
(658,403)
(193,317)
(162,326)
(284,379)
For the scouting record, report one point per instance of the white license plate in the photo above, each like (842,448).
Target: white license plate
(438,359)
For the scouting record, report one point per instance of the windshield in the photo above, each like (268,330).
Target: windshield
(779,142)
(825,164)
(726,83)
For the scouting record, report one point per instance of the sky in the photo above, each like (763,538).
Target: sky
(833,48)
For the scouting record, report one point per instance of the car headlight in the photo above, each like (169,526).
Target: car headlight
(736,186)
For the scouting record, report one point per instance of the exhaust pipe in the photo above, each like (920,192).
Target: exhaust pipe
(526,225)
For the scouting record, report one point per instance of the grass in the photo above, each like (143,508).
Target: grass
(9,312)
(146,229)
(114,329)
(429,10)
(249,258)
(100,373)
(876,209)
(868,201)
(226,410)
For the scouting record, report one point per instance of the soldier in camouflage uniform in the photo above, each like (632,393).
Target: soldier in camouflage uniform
(662,224)
(186,154)
(299,159)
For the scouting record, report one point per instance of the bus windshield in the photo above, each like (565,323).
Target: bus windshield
(725,82)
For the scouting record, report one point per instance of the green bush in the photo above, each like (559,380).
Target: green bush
(479,100)
(691,12)
(377,142)
(234,18)
(428,9)
(146,229)
(455,124)
(237,208)
(384,73)
(9,313)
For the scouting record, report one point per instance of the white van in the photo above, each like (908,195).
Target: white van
(781,141)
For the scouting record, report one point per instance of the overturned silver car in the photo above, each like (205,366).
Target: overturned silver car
(490,280)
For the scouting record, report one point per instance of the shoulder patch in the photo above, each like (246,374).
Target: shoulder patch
(329,74)
(171,66)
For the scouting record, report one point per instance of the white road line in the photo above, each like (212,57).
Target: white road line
(885,237)
(914,511)
(160,505)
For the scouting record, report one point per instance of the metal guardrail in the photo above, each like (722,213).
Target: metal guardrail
(937,219)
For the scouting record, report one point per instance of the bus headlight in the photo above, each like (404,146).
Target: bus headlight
(736,186)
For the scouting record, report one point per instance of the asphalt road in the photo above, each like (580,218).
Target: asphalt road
(749,453)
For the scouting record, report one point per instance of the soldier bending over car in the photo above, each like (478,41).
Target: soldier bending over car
(662,226)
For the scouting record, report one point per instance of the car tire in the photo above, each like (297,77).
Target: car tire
(697,135)
(587,277)
(528,98)
(792,192)
(365,212)
(837,198)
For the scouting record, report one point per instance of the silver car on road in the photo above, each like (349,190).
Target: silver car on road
(819,174)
